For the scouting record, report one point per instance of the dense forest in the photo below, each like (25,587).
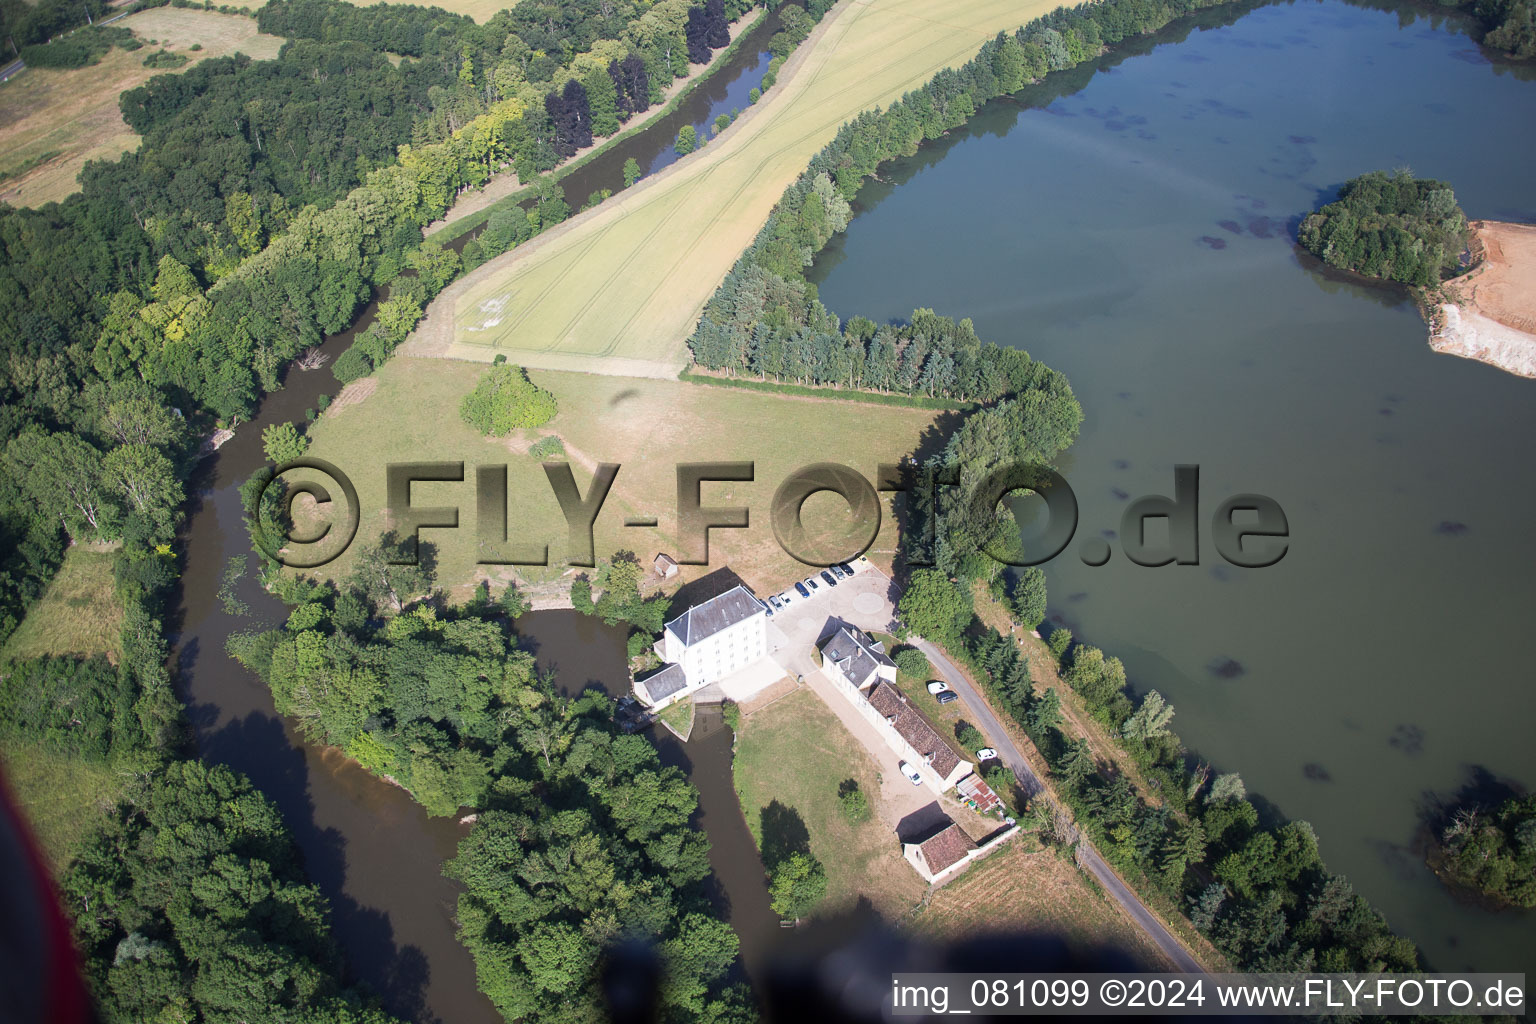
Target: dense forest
(1392,226)
(583,838)
(1493,852)
(1260,891)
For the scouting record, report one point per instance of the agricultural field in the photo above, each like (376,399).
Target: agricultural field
(648,426)
(63,118)
(618,290)
(77,615)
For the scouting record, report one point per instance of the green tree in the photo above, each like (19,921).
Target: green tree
(687,140)
(796,884)
(1027,601)
(376,575)
(912,662)
(631,172)
(935,608)
(505,400)
(147,482)
(283,442)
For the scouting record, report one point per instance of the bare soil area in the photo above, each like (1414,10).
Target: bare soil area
(1492,313)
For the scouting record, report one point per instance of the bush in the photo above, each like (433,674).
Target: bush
(506,400)
(547,448)
(687,140)
(165,59)
(351,365)
(912,662)
(852,801)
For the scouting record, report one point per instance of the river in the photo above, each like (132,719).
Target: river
(1132,224)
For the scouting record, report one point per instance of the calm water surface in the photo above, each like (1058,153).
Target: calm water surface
(1132,226)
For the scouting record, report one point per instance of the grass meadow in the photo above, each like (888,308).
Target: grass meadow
(619,289)
(797,753)
(77,615)
(647,426)
(74,114)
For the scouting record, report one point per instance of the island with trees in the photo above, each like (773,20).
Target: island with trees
(1491,852)
(1475,282)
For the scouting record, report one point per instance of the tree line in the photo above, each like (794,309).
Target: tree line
(582,839)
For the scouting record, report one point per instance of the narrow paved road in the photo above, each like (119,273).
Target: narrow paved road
(1087,856)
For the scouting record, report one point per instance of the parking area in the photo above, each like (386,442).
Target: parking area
(866,599)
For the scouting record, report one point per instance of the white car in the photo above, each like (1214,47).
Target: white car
(913,775)
(937,687)
(985,754)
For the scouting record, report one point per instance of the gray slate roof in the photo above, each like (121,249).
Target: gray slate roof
(703,621)
(664,683)
(855,654)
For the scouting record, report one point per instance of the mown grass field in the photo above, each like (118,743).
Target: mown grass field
(619,290)
(1021,888)
(74,112)
(77,614)
(796,752)
(647,426)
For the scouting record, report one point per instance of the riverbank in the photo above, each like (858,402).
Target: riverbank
(1492,313)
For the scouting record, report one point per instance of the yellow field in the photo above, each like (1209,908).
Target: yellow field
(78,613)
(480,11)
(647,426)
(619,290)
(74,112)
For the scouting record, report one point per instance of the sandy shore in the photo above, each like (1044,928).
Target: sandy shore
(1492,313)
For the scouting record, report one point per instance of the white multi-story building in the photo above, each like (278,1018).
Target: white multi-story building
(707,643)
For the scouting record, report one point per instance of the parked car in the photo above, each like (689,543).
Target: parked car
(937,687)
(774,602)
(800,589)
(831,580)
(948,697)
(913,775)
(847,569)
(985,754)
(837,571)
(810,581)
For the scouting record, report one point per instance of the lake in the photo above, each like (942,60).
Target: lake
(1132,225)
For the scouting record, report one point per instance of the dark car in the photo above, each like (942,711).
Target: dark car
(800,589)
(847,569)
(948,697)
(831,580)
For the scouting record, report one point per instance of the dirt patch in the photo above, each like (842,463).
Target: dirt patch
(354,393)
(1492,313)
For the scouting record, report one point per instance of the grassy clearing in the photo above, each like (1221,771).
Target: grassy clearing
(1022,888)
(796,752)
(78,613)
(74,112)
(620,289)
(648,426)
(679,717)
(61,796)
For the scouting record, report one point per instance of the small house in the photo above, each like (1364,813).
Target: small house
(665,566)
